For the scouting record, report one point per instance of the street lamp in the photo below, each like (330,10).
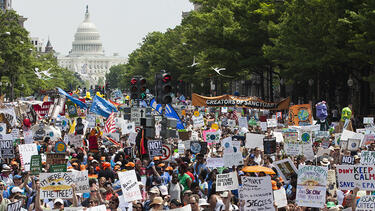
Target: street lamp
(350,83)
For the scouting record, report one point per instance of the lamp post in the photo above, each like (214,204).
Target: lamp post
(350,83)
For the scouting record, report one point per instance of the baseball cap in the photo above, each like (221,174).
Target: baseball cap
(58,201)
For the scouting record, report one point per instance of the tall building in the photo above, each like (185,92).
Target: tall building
(87,55)
(38,44)
(5,4)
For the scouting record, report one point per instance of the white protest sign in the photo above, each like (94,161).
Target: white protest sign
(130,186)
(10,115)
(242,122)
(97,208)
(366,203)
(181,148)
(227,181)
(368,120)
(214,162)
(56,185)
(263,126)
(256,192)
(350,176)
(368,157)
(15,133)
(15,206)
(132,137)
(231,123)
(212,136)
(271,122)
(128,128)
(74,140)
(311,186)
(279,137)
(28,136)
(185,208)
(285,168)
(92,121)
(3,128)
(198,122)
(26,151)
(233,157)
(254,140)
(81,180)
(280,198)
(353,144)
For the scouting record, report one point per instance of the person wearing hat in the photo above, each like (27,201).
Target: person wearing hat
(324,162)
(157,203)
(203,204)
(107,172)
(152,194)
(130,166)
(357,160)
(6,175)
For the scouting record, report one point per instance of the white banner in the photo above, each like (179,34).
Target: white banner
(129,186)
(256,192)
(227,181)
(26,151)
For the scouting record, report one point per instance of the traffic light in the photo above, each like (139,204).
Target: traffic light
(166,88)
(142,88)
(133,89)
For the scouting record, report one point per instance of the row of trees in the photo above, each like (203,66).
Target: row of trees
(19,62)
(296,40)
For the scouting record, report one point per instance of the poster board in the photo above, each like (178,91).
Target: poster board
(300,115)
(254,140)
(26,151)
(56,185)
(350,176)
(214,162)
(81,180)
(285,168)
(256,192)
(227,181)
(6,148)
(280,197)
(129,186)
(366,203)
(269,145)
(155,148)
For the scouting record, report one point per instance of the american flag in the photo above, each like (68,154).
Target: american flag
(110,126)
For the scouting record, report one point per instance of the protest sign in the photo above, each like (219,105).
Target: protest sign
(14,206)
(3,128)
(353,144)
(279,137)
(81,180)
(300,115)
(331,181)
(56,185)
(256,192)
(263,126)
(155,148)
(198,147)
(231,123)
(212,136)
(280,197)
(227,181)
(28,136)
(36,164)
(347,160)
(15,133)
(254,140)
(242,122)
(6,149)
(361,176)
(132,138)
(129,186)
(366,203)
(57,168)
(285,168)
(198,121)
(368,120)
(181,148)
(290,137)
(233,155)
(74,140)
(269,145)
(271,122)
(128,128)
(311,186)
(55,158)
(368,157)
(368,139)
(214,162)
(26,151)
(92,121)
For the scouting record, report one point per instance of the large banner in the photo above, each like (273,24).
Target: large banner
(234,101)
(361,176)
(311,186)
(256,192)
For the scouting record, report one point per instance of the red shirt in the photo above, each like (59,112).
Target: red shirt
(191,175)
(93,143)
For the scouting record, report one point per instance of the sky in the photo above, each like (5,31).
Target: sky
(122,24)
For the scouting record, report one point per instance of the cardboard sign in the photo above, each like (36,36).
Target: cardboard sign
(6,148)
(280,198)
(368,120)
(347,160)
(155,148)
(353,144)
(361,176)
(57,168)
(232,154)
(285,168)
(331,181)
(14,206)
(367,157)
(242,123)
(254,140)
(55,158)
(226,182)
(129,186)
(198,121)
(269,145)
(214,162)
(60,146)
(231,123)
(15,133)
(256,192)
(56,185)
(74,140)
(36,164)
(366,203)
(212,136)
(128,128)
(81,180)
(26,151)
(181,148)
(271,122)
(311,186)
(198,147)
(300,115)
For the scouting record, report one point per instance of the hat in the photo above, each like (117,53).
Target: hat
(130,164)
(224,194)
(13,162)
(94,161)
(161,165)
(157,200)
(58,201)
(91,158)
(17,177)
(74,164)
(16,190)
(252,156)
(102,146)
(5,168)
(156,158)
(356,157)
(324,162)
(331,204)
(154,190)
(203,202)
(169,168)
(274,185)
(102,158)
(337,147)
(118,163)
(163,190)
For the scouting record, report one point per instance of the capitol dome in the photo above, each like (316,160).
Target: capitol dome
(87,39)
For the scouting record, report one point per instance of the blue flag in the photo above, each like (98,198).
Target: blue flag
(102,107)
(74,100)
(169,112)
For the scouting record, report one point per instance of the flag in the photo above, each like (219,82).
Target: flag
(110,126)
(74,100)
(169,112)
(102,107)
(113,141)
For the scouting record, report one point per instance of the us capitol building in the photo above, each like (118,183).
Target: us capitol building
(87,57)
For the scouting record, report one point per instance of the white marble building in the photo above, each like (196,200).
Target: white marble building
(87,56)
